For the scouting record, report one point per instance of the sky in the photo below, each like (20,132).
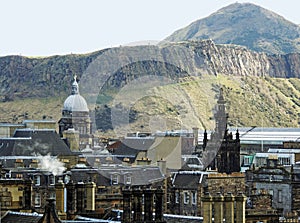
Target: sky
(56,27)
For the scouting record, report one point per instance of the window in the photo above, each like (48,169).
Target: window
(261,161)
(51,194)
(168,198)
(66,179)
(246,161)
(186,197)
(37,180)
(114,179)
(279,196)
(177,197)
(8,174)
(284,161)
(51,180)
(271,192)
(194,197)
(127,179)
(19,175)
(37,200)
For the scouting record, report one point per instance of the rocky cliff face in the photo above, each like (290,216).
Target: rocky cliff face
(22,77)
(237,60)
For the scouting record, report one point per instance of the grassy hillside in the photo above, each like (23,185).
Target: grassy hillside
(272,102)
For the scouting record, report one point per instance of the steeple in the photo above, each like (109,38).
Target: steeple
(204,140)
(221,116)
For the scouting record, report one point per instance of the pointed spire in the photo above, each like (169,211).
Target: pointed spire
(204,139)
(75,87)
(237,134)
(221,99)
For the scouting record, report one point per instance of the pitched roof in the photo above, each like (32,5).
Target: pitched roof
(131,146)
(29,142)
(188,179)
(20,217)
(140,175)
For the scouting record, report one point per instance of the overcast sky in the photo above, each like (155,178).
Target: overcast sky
(44,28)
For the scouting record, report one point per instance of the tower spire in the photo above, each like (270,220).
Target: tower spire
(221,116)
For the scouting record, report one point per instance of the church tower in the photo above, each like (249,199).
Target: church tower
(75,116)
(224,147)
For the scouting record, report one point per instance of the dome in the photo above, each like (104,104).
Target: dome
(75,102)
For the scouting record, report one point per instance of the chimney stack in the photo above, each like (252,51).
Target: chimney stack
(90,196)
(241,208)
(60,196)
(229,208)
(207,208)
(195,133)
(218,203)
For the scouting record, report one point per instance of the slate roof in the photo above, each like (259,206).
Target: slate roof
(131,146)
(188,179)
(102,159)
(19,217)
(85,174)
(140,175)
(30,142)
(49,216)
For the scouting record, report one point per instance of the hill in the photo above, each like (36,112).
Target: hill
(157,87)
(244,24)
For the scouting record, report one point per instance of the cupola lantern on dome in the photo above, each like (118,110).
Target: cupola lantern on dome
(75,87)
(75,102)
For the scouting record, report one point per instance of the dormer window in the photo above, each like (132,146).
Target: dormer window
(127,179)
(114,179)
(8,174)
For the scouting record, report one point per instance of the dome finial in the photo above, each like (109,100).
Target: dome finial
(75,87)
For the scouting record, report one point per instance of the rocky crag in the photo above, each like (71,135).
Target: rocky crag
(247,25)
(47,80)
(22,77)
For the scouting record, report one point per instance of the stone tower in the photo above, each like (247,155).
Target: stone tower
(226,148)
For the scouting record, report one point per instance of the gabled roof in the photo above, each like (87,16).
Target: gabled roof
(30,142)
